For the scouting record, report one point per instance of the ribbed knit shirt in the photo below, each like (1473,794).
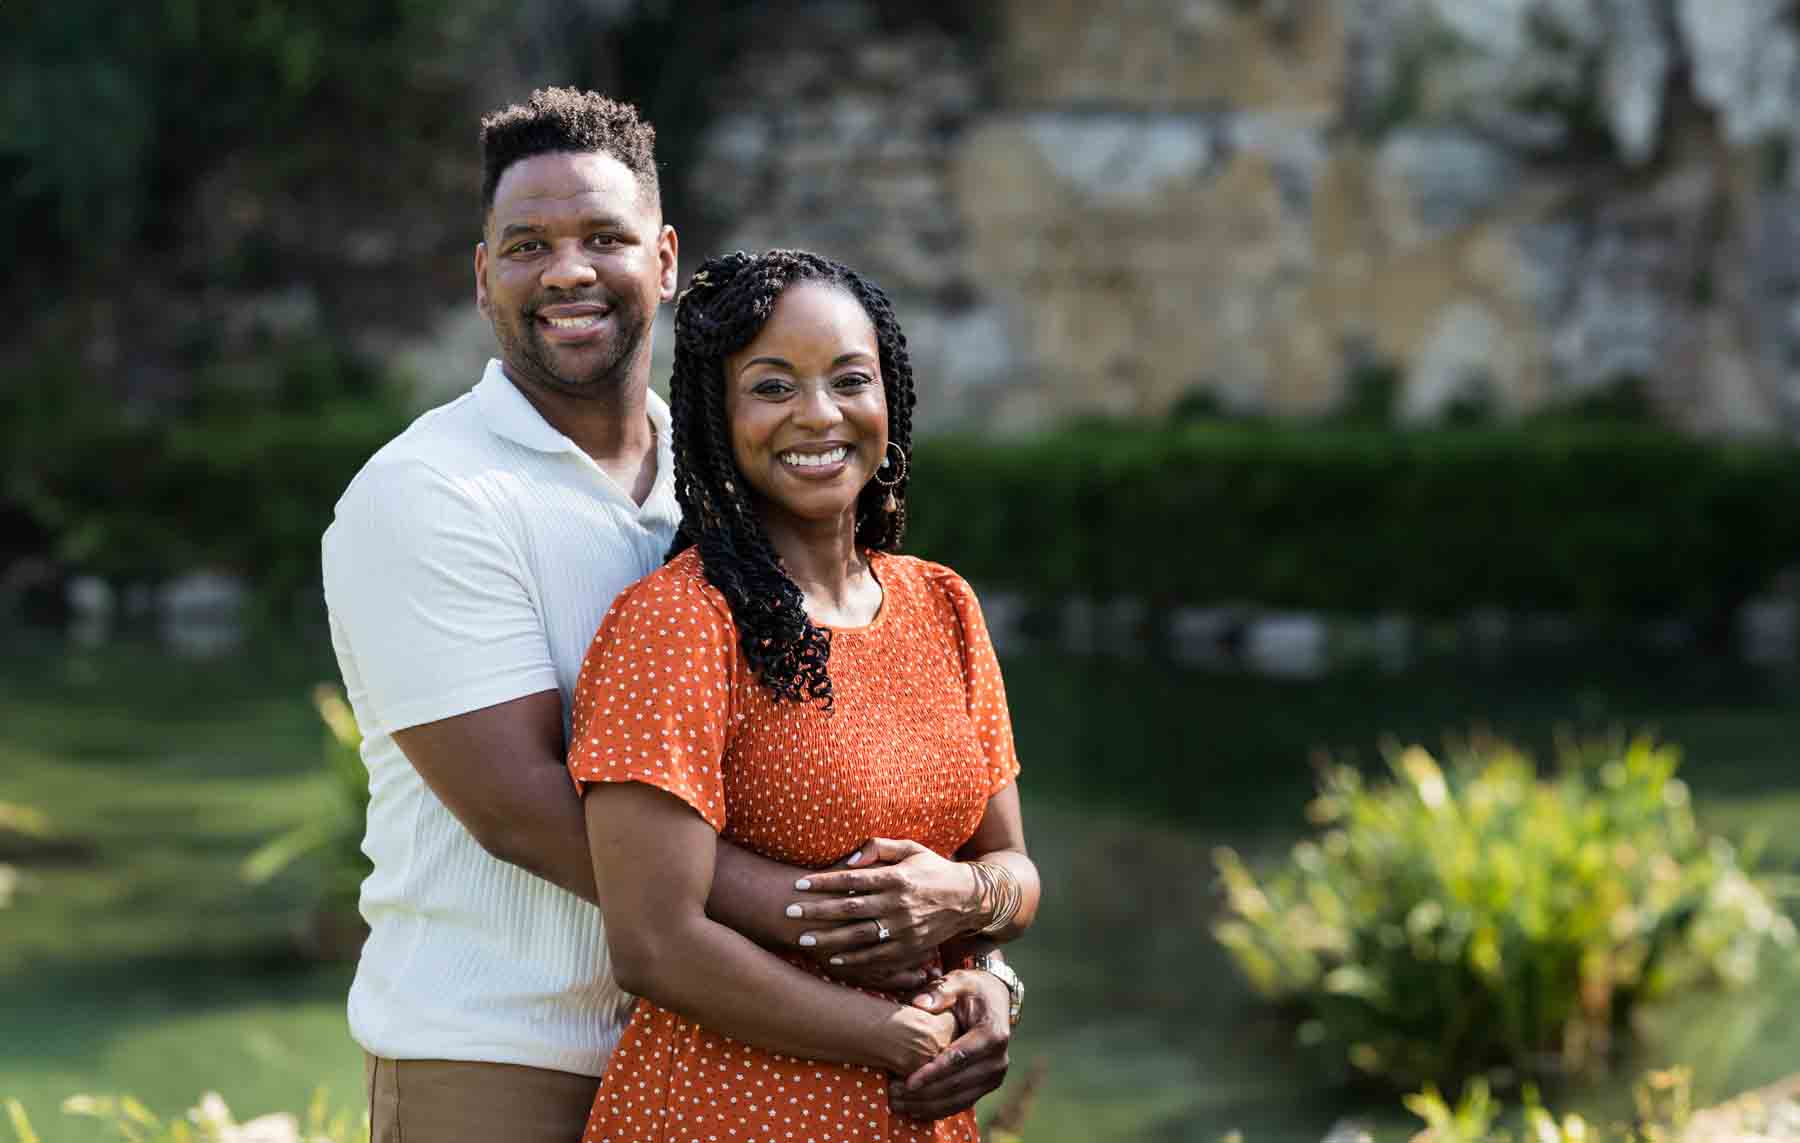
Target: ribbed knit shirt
(470,563)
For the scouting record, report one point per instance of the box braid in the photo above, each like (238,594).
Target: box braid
(724,306)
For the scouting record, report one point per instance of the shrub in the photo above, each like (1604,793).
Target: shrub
(243,475)
(334,839)
(1599,520)
(1455,920)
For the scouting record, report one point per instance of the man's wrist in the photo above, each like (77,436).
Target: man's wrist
(993,962)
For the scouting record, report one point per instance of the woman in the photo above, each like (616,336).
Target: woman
(798,687)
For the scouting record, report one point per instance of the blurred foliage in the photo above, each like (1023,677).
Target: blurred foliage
(1459,919)
(108,112)
(336,837)
(1664,1114)
(1602,520)
(210,1121)
(242,475)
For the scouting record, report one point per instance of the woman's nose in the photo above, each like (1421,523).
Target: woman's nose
(817,407)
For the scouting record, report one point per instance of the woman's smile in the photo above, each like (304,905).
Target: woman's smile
(816,462)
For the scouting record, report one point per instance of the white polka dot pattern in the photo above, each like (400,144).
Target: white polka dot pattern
(919,740)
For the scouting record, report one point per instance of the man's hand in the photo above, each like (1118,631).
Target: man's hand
(898,888)
(975,1063)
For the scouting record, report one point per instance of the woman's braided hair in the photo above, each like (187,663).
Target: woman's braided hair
(723,308)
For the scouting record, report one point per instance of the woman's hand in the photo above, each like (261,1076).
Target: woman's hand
(898,888)
(975,1062)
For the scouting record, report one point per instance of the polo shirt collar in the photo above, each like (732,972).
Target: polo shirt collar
(507,413)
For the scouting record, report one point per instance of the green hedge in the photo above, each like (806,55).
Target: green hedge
(1597,520)
(243,474)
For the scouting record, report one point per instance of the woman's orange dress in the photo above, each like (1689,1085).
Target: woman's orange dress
(918,741)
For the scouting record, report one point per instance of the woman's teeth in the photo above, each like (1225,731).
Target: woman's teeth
(814,459)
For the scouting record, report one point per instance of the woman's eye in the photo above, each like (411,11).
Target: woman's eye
(769,388)
(854,381)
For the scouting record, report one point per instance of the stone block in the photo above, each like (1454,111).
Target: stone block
(1171,53)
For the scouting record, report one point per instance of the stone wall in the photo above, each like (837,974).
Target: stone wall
(1504,203)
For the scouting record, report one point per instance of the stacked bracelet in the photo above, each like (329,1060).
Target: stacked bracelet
(998,892)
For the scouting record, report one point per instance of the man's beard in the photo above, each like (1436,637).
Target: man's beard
(530,358)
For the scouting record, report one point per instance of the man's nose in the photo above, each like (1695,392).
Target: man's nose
(568,268)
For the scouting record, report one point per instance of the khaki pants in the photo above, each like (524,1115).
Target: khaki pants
(455,1101)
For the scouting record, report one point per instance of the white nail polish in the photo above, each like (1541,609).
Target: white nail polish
(803,885)
(795,911)
(808,941)
(837,960)
(854,858)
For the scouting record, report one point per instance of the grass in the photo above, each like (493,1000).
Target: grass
(155,970)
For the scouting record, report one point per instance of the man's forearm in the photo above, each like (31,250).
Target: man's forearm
(548,837)
(544,833)
(750,893)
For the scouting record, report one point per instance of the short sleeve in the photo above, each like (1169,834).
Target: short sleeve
(981,679)
(653,702)
(429,599)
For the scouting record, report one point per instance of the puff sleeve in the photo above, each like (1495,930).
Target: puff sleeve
(653,701)
(982,683)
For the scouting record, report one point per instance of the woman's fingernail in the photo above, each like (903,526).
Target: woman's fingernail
(803,884)
(928,999)
(837,960)
(854,858)
(807,940)
(795,911)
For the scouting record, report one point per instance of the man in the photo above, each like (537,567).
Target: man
(467,569)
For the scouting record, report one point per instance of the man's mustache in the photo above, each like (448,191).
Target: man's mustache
(588,297)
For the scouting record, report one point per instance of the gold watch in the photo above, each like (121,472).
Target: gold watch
(993,963)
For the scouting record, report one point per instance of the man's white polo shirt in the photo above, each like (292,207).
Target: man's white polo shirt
(470,563)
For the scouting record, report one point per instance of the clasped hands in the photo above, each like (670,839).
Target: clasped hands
(877,919)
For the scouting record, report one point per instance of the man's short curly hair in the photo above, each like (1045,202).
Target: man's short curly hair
(560,120)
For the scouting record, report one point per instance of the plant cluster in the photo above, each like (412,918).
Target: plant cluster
(334,839)
(1603,520)
(209,1122)
(1480,915)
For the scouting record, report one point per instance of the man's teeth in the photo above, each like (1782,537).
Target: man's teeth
(814,459)
(581,321)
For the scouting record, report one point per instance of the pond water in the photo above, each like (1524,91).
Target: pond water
(153,967)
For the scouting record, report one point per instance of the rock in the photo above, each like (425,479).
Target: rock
(90,597)
(92,604)
(1459,363)
(1634,75)
(1208,636)
(202,613)
(1446,181)
(1745,60)
(1122,158)
(1768,633)
(1287,645)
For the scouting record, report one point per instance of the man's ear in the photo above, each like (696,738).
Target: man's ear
(481,295)
(668,250)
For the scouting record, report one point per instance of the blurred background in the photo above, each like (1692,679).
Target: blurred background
(1300,380)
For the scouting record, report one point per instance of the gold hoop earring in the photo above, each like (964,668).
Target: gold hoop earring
(900,473)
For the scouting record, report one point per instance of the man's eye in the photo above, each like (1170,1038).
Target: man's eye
(604,239)
(529,247)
